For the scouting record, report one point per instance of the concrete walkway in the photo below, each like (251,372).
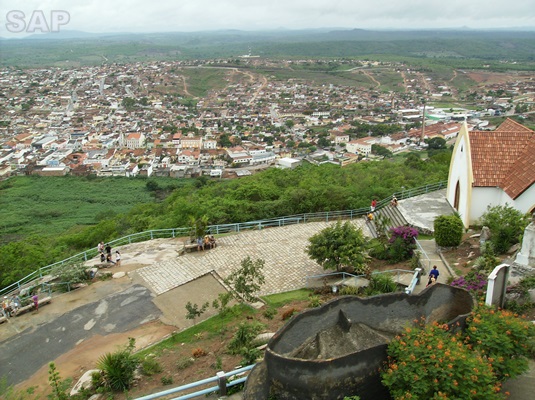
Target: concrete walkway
(283,250)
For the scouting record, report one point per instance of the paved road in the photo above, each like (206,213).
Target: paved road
(24,354)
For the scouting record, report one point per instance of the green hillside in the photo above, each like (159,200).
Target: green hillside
(49,219)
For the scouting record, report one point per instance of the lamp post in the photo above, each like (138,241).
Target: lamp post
(402,191)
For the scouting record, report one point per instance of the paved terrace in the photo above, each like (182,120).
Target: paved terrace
(282,249)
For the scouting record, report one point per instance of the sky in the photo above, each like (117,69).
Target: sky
(21,17)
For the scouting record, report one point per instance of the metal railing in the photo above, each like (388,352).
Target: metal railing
(330,278)
(424,260)
(217,230)
(222,379)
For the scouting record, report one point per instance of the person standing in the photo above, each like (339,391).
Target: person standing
(117,258)
(108,250)
(35,299)
(373,205)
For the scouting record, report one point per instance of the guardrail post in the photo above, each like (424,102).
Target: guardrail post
(222,383)
(151,236)
(85,256)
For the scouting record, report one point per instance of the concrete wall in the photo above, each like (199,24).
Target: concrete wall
(354,373)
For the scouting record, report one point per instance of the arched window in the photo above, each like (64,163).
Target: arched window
(457,196)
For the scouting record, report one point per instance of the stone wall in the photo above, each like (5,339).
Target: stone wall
(342,324)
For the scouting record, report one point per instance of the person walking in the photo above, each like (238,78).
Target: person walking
(433,275)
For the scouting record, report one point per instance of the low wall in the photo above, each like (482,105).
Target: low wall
(355,372)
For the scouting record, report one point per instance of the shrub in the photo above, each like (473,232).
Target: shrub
(473,282)
(59,387)
(118,368)
(244,336)
(402,243)
(448,230)
(314,301)
(184,363)
(432,363)
(502,338)
(506,226)
(288,314)
(270,312)
(381,283)
(167,380)
(250,356)
(349,291)
(487,261)
(149,366)
(198,353)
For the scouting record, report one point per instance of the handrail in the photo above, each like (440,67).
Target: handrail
(221,229)
(221,378)
(331,274)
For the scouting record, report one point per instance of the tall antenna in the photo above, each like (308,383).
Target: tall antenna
(423,124)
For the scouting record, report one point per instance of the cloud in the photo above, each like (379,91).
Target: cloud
(193,15)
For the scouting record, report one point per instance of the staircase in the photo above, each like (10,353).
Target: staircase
(386,218)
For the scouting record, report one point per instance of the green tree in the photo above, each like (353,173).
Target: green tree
(248,279)
(436,143)
(338,247)
(197,226)
(448,230)
(506,226)
(128,103)
(194,311)
(381,151)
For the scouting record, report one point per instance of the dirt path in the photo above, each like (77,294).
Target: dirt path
(372,78)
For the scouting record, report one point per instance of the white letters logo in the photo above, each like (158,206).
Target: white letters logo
(37,22)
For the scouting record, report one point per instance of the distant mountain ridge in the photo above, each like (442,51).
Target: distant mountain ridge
(91,48)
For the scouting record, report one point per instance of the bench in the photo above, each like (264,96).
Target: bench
(43,301)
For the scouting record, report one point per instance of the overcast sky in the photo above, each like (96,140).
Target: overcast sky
(188,15)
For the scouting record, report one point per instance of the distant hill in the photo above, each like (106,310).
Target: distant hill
(82,48)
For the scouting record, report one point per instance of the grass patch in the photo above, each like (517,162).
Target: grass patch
(212,326)
(423,236)
(280,299)
(67,202)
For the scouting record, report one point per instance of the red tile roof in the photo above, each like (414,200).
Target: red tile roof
(504,158)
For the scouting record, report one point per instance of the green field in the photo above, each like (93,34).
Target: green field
(54,206)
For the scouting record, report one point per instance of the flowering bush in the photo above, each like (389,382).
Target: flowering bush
(473,282)
(429,362)
(502,338)
(432,363)
(402,243)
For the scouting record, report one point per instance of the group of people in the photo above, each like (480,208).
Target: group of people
(208,242)
(11,305)
(105,254)
(373,205)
